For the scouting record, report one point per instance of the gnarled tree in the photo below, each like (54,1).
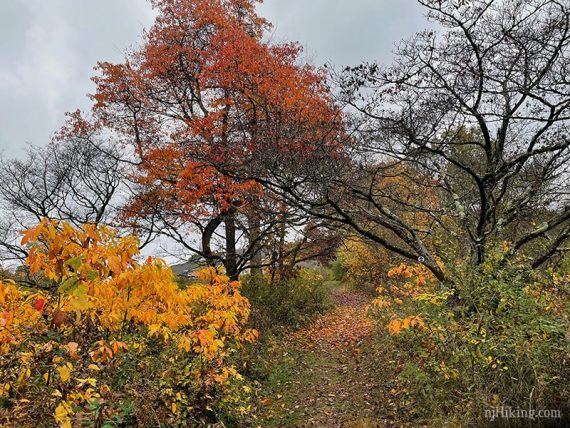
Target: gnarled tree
(68,180)
(472,118)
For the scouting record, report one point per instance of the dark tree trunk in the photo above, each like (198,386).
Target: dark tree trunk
(207,240)
(255,245)
(231,255)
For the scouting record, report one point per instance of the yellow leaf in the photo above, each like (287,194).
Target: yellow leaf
(153,329)
(24,374)
(61,414)
(64,373)
(90,381)
(5,389)
(80,301)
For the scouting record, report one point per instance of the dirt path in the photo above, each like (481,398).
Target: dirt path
(331,378)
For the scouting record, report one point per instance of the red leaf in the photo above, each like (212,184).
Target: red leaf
(39,305)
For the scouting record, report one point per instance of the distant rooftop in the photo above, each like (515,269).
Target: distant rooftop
(189,267)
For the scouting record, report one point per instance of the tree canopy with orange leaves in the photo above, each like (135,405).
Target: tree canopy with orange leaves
(206,99)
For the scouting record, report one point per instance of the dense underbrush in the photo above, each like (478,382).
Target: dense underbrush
(493,340)
(287,303)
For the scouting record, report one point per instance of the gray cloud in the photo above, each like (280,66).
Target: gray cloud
(47,53)
(345,32)
(48,48)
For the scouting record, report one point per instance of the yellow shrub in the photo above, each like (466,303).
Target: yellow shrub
(364,264)
(57,346)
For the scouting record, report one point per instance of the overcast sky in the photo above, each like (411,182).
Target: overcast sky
(48,48)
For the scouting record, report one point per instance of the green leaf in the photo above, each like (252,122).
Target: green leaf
(80,290)
(68,286)
(75,263)
(92,275)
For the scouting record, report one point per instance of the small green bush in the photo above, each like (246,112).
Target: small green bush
(287,303)
(337,270)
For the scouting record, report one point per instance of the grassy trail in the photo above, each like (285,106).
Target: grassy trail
(325,375)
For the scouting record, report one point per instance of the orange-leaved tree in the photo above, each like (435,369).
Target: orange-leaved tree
(207,102)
